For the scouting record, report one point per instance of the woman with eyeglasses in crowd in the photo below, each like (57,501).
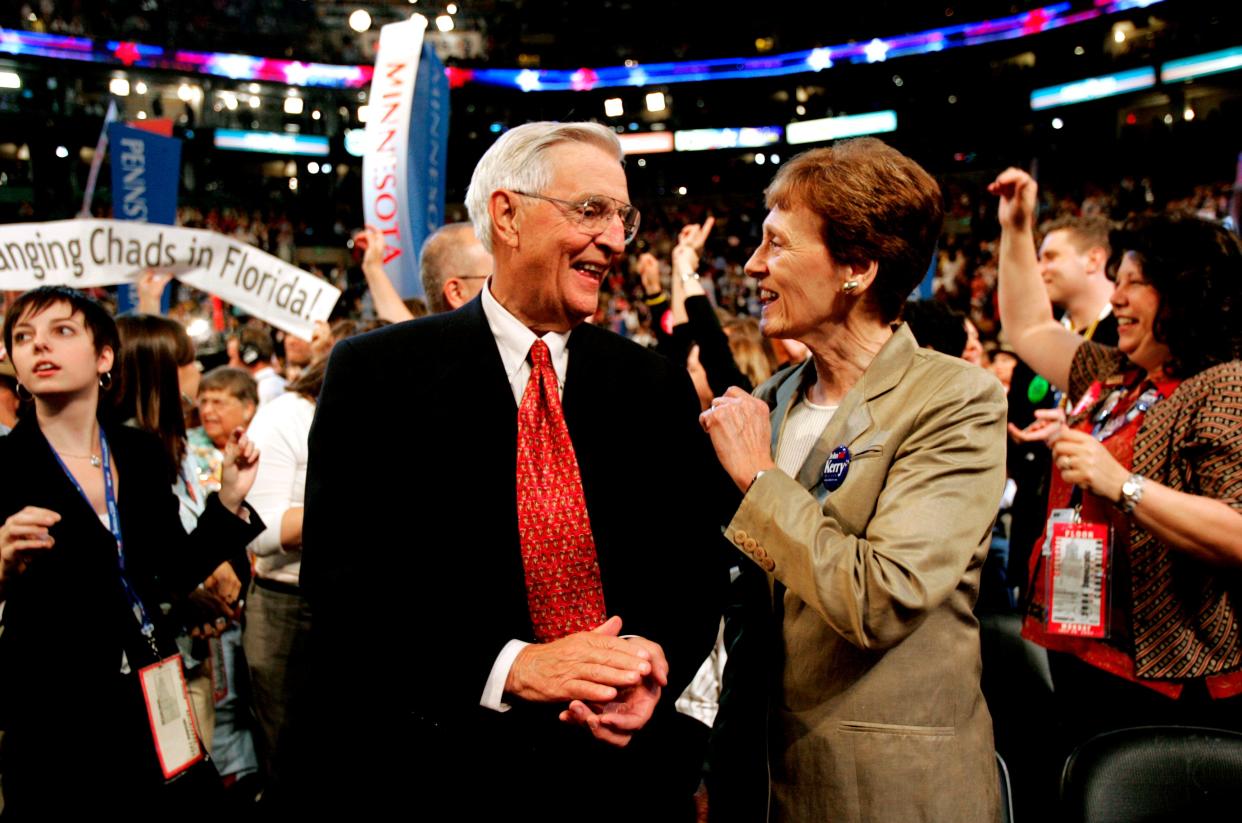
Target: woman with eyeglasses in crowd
(1152,450)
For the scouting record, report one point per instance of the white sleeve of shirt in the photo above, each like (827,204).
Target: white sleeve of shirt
(494,689)
(280,431)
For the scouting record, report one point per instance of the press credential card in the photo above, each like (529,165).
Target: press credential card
(172,719)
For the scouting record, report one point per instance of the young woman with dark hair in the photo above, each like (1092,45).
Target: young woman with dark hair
(158,373)
(90,548)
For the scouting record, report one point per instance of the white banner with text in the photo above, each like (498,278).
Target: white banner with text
(93,252)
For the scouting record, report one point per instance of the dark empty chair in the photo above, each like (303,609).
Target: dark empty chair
(1154,773)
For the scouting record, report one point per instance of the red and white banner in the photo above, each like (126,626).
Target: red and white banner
(385,163)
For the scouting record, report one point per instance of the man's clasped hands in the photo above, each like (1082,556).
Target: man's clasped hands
(612,683)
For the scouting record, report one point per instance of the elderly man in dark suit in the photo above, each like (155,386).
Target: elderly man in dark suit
(506,613)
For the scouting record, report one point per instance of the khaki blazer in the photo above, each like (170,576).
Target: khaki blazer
(879,715)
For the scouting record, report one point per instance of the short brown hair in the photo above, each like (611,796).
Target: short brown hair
(236,382)
(1085,233)
(875,204)
(95,317)
(255,346)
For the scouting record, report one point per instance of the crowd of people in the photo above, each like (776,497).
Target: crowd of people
(300,600)
(965,276)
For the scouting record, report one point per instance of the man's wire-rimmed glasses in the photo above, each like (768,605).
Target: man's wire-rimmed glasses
(595,213)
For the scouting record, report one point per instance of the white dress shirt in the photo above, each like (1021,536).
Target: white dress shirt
(513,340)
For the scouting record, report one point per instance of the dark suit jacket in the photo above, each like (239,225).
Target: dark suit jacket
(411,556)
(73,723)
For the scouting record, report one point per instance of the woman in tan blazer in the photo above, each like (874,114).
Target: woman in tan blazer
(871,476)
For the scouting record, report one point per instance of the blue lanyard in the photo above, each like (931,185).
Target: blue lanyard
(114,524)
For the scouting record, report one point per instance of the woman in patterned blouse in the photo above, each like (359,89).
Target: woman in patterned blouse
(1152,448)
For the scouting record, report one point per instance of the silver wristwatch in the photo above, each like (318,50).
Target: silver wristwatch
(1131,493)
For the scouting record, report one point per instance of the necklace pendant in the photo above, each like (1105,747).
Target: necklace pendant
(96,461)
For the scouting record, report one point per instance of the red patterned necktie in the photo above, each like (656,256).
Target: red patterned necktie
(563,588)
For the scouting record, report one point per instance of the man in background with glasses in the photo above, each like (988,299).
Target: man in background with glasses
(454,266)
(506,615)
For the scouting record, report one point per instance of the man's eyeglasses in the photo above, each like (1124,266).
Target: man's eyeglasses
(595,213)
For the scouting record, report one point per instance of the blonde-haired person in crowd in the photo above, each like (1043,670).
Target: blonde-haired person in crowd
(751,350)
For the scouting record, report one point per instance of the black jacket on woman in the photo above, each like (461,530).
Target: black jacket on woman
(702,326)
(76,728)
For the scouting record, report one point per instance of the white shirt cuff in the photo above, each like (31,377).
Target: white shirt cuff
(1011,490)
(494,688)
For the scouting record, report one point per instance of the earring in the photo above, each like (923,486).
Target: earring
(23,394)
(105,380)
(849,286)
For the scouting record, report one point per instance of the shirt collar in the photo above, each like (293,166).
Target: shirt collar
(514,339)
(1068,323)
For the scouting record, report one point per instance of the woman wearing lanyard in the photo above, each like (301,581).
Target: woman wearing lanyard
(157,377)
(92,698)
(1140,602)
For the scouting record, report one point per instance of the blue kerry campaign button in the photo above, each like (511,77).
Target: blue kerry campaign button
(836,468)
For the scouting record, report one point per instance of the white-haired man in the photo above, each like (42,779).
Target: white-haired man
(531,617)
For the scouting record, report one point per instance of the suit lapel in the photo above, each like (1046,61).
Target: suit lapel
(469,366)
(579,376)
(473,399)
(475,417)
(593,402)
(853,417)
(586,393)
(786,394)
